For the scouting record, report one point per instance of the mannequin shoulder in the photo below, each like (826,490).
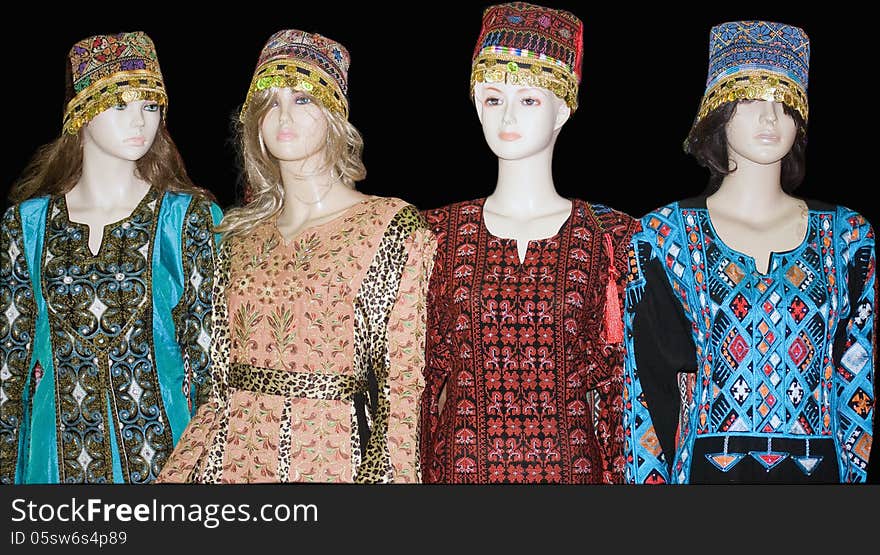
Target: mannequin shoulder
(440,219)
(853,228)
(608,218)
(661,222)
(197,206)
(26,210)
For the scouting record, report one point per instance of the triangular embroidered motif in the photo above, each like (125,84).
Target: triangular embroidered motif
(724,461)
(807,464)
(768,459)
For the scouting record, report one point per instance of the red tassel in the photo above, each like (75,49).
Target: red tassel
(613,317)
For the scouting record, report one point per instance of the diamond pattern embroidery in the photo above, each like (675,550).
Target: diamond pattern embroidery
(801,351)
(735,348)
(740,390)
(798,309)
(795,392)
(740,306)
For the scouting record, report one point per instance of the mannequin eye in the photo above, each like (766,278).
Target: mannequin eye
(529,101)
(151,107)
(492,101)
(303,99)
(120,106)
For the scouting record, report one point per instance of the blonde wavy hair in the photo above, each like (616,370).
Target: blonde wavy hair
(261,172)
(57,166)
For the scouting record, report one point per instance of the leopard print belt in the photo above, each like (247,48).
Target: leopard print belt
(271,381)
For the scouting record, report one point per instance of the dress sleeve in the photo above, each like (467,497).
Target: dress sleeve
(658,345)
(193,460)
(437,367)
(17,317)
(406,349)
(194,317)
(854,345)
(607,347)
(390,309)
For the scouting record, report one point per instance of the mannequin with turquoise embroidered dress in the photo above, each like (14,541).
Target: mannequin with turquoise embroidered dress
(105,283)
(750,325)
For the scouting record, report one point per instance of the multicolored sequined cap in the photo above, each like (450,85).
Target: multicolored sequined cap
(757,60)
(305,62)
(107,70)
(525,44)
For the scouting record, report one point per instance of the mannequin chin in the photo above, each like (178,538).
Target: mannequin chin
(125,132)
(519,121)
(759,132)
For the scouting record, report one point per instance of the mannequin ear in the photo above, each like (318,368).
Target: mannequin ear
(563,112)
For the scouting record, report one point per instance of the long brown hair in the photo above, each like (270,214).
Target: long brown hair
(57,166)
(262,172)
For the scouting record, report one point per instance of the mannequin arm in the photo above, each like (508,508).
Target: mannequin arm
(191,453)
(194,319)
(658,344)
(854,351)
(406,347)
(608,350)
(436,369)
(17,318)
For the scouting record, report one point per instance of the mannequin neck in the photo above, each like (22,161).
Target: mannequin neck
(311,198)
(525,187)
(107,182)
(753,189)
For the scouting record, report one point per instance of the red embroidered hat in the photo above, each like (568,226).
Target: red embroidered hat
(526,44)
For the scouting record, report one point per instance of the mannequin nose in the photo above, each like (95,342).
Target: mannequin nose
(508,118)
(284,114)
(768,111)
(137,117)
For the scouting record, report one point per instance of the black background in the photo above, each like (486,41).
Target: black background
(644,73)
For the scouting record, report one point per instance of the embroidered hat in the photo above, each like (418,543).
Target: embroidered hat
(526,44)
(757,60)
(107,70)
(306,62)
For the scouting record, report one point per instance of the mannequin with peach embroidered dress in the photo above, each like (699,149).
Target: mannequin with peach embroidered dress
(320,299)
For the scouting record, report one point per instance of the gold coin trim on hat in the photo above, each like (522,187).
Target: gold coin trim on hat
(757,84)
(299,76)
(519,70)
(119,88)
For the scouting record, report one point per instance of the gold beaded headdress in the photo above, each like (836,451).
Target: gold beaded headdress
(306,62)
(107,70)
(757,60)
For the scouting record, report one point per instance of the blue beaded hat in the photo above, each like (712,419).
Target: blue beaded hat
(757,60)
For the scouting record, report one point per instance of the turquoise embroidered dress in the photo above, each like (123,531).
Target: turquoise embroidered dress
(732,375)
(103,358)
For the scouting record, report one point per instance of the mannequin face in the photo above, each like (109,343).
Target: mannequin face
(519,121)
(294,128)
(760,132)
(126,131)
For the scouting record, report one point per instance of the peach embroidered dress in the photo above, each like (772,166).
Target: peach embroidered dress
(319,345)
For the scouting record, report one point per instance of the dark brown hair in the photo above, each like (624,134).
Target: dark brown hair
(707,142)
